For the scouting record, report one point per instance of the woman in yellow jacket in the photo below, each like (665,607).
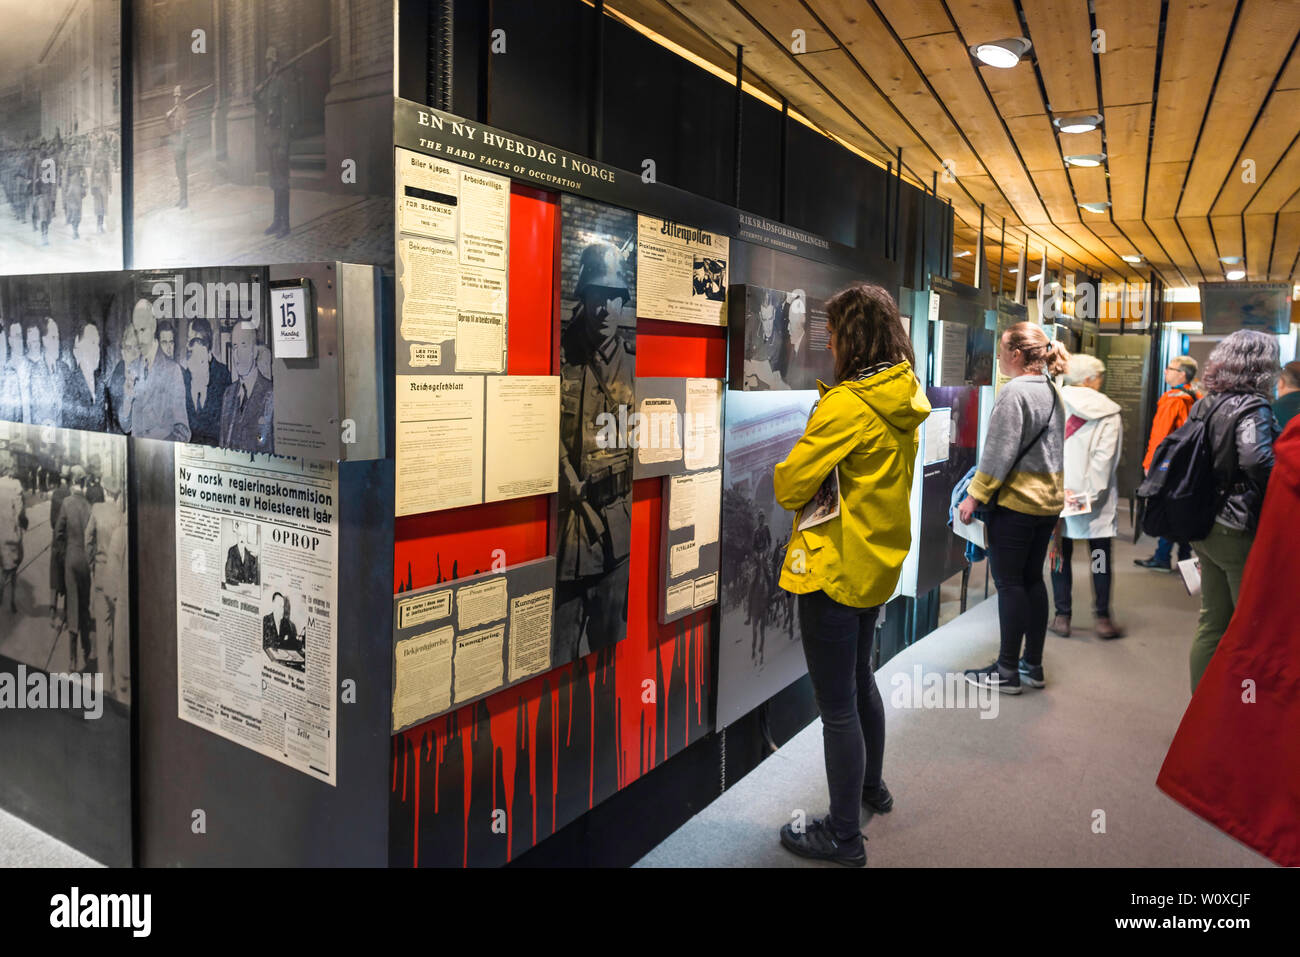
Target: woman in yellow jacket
(862,432)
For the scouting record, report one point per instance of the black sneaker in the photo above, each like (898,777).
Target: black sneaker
(995,678)
(819,843)
(1153,562)
(1032,675)
(878,800)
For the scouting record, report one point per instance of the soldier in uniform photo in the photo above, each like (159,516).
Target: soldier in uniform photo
(272,99)
(597,369)
(13,523)
(70,537)
(105,519)
(101,181)
(178,118)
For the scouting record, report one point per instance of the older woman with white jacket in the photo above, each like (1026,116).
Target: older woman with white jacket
(1092,447)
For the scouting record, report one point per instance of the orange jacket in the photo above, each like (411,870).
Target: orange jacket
(1171,412)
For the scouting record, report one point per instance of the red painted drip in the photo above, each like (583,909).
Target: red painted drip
(406,756)
(467,751)
(555,746)
(591,734)
(396,744)
(441,733)
(504,727)
(532,754)
(415,857)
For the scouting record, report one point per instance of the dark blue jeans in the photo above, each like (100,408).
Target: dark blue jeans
(1165,547)
(837,642)
(1017,549)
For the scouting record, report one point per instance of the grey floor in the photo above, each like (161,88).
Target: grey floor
(22,845)
(1031,786)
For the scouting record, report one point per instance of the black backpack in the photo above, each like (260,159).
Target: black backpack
(1181,496)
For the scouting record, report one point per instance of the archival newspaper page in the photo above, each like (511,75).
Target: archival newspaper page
(256,602)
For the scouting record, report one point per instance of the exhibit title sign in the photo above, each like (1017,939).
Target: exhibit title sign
(434,132)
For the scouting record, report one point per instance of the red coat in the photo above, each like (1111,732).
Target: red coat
(1234,762)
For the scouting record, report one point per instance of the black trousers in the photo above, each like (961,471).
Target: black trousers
(1063,581)
(1017,549)
(837,642)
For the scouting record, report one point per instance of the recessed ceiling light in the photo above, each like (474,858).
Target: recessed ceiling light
(1131,259)
(1230,260)
(1014,270)
(964,252)
(1077,124)
(1086,159)
(1003,54)
(1036,277)
(1235,274)
(1096,207)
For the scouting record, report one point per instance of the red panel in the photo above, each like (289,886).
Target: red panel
(533,217)
(427,545)
(680,349)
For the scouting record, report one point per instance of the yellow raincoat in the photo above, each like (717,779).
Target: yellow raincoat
(868,428)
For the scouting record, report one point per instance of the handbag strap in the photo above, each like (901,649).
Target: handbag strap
(1032,442)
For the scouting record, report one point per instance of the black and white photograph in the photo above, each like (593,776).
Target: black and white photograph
(709,279)
(284,638)
(178,356)
(68,344)
(758,647)
(241,572)
(597,380)
(262,131)
(60,137)
(64,604)
(783,350)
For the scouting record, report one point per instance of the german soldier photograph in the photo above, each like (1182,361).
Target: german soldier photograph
(63,552)
(262,128)
(597,379)
(60,138)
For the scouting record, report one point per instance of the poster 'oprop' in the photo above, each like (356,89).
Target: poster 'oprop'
(257,603)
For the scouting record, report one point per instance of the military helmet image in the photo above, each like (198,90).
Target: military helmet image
(601,265)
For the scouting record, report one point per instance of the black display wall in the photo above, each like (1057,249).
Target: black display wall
(656,105)
(551,80)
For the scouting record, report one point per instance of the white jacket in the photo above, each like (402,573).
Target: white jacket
(1092,447)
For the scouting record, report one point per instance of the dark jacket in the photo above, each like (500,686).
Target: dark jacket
(1241,428)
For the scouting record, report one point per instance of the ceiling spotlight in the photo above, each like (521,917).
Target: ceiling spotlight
(1077,124)
(1235,274)
(1230,260)
(964,252)
(1131,259)
(1086,159)
(1013,270)
(1003,54)
(1036,277)
(1095,207)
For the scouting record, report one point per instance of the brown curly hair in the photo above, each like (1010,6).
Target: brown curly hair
(1041,354)
(866,330)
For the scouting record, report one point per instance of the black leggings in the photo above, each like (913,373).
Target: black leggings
(1063,581)
(1017,549)
(837,641)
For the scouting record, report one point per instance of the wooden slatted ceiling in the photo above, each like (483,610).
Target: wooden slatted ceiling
(881,74)
(1286,246)
(1260,43)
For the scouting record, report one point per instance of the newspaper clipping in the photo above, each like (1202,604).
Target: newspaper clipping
(256,581)
(681,272)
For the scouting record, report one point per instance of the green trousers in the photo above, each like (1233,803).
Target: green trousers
(1223,560)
